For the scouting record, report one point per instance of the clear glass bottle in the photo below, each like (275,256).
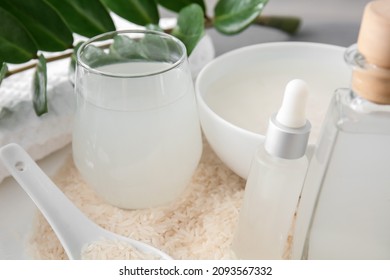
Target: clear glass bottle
(275,182)
(344,211)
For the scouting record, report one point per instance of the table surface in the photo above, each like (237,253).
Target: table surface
(334,22)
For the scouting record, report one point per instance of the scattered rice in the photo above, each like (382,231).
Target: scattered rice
(198,225)
(114,250)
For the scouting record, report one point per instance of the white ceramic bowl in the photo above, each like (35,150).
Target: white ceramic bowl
(238,91)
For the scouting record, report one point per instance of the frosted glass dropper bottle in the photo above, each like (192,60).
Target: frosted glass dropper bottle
(275,181)
(344,211)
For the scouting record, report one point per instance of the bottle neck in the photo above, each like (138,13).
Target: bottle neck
(284,142)
(368,80)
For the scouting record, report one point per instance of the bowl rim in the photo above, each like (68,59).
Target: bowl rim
(200,95)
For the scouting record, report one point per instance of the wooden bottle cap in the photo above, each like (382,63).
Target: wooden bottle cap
(374,44)
(374,36)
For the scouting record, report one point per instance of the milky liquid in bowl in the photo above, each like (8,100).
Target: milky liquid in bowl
(252,96)
(239,91)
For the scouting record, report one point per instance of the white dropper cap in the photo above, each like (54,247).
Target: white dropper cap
(293,111)
(288,130)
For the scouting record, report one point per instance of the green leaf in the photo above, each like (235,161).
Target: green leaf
(84,17)
(95,57)
(17,46)
(190,26)
(72,64)
(91,54)
(288,24)
(156,48)
(44,24)
(127,48)
(154,27)
(3,71)
(177,5)
(150,47)
(73,57)
(140,12)
(39,87)
(232,17)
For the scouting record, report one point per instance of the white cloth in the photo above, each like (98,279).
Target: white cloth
(43,135)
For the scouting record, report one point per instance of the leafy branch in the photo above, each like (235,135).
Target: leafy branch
(28,28)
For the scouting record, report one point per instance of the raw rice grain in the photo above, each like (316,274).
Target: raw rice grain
(199,225)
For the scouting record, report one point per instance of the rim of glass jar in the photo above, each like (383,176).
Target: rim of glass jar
(110,35)
(357,61)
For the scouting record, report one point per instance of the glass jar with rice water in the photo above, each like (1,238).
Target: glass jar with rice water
(136,138)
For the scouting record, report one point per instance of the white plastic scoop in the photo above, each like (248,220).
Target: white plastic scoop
(72,227)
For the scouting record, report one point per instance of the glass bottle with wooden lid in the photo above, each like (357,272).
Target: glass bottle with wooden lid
(344,212)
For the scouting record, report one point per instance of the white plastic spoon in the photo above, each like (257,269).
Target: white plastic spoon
(72,227)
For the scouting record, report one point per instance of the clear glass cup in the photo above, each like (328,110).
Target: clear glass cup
(136,139)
